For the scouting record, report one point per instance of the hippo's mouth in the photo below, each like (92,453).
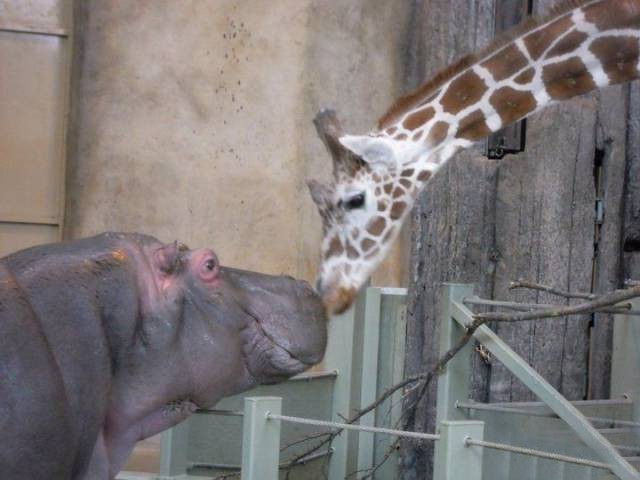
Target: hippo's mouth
(266,359)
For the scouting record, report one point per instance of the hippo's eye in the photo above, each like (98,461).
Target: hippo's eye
(210,264)
(357,201)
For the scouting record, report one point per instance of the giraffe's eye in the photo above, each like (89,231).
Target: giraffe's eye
(357,201)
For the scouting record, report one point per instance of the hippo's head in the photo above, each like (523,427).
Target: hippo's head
(228,330)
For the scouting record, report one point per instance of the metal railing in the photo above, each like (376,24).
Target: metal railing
(453,385)
(459,441)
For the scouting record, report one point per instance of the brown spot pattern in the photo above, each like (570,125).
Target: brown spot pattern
(416,136)
(525,77)
(512,104)
(382,205)
(378,191)
(388,235)
(391,130)
(464,91)
(352,253)
(568,44)
(366,244)
(606,14)
(401,136)
(407,173)
(398,192)
(438,133)
(424,175)
(397,210)
(473,127)
(539,41)
(567,79)
(405,183)
(335,247)
(419,118)
(618,56)
(372,253)
(388,187)
(506,62)
(376,226)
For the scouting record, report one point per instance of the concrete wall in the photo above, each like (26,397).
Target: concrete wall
(192,119)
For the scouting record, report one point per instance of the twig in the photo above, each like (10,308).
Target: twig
(302,440)
(527,307)
(605,300)
(552,290)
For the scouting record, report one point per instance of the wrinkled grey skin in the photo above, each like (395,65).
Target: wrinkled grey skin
(108,340)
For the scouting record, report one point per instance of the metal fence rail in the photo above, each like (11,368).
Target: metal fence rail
(453,384)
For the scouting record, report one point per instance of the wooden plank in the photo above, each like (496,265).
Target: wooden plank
(631,235)
(611,152)
(544,232)
(452,224)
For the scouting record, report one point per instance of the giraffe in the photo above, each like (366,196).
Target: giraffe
(588,44)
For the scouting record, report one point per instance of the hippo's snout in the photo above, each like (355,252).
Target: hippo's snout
(288,331)
(310,348)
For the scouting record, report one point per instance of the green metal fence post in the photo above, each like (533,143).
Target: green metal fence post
(173,450)
(453,384)
(457,461)
(260,439)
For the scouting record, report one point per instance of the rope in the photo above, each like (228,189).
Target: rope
(537,453)
(430,436)
(346,426)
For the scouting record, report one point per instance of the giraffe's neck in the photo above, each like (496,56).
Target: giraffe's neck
(568,54)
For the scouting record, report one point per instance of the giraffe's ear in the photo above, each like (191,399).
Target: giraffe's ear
(373,150)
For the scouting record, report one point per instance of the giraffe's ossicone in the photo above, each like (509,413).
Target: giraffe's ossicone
(377,176)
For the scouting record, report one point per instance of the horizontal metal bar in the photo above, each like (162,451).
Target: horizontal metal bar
(537,453)
(348,426)
(32,30)
(393,291)
(624,309)
(237,468)
(621,401)
(522,411)
(314,375)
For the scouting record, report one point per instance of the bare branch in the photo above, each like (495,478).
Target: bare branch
(552,290)
(606,300)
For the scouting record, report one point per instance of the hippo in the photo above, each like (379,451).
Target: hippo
(108,340)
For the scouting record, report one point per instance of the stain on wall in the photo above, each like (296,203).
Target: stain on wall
(192,119)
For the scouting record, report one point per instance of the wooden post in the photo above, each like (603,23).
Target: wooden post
(260,439)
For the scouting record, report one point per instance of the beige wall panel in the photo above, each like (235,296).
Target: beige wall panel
(31,141)
(17,236)
(193,118)
(51,14)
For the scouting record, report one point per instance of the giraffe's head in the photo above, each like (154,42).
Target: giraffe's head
(362,209)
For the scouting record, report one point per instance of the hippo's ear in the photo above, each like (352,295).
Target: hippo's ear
(166,257)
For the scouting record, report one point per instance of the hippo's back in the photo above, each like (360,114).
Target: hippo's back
(56,361)
(35,418)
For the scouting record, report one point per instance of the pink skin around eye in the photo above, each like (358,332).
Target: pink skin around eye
(205,265)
